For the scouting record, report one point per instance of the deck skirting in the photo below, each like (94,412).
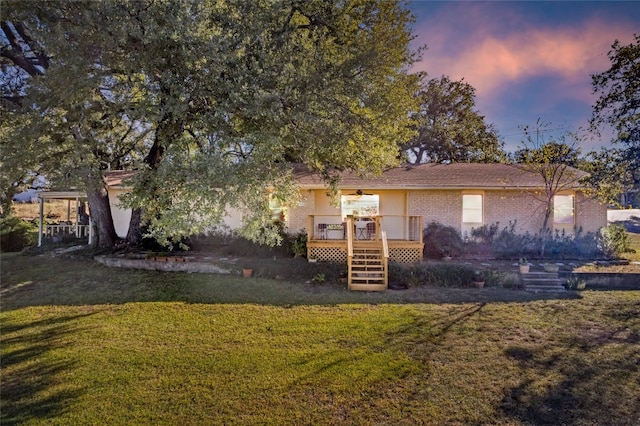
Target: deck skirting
(336,250)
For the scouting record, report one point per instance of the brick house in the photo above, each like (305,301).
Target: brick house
(403,200)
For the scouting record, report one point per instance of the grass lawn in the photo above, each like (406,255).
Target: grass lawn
(84,344)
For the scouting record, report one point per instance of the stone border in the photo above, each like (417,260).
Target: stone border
(152,265)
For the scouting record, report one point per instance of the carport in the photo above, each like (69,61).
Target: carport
(69,227)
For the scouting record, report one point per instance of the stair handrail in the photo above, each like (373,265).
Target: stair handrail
(385,251)
(349,249)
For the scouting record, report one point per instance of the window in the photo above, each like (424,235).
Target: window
(563,209)
(360,205)
(472,208)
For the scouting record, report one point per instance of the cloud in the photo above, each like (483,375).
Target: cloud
(494,49)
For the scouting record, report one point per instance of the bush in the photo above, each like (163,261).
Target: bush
(437,275)
(16,234)
(441,240)
(613,241)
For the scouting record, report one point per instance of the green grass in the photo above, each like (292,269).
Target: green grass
(83,344)
(635,245)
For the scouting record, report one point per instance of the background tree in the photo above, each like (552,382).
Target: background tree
(227,96)
(449,128)
(619,107)
(554,160)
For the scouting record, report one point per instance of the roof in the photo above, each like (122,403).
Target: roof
(417,176)
(61,195)
(440,176)
(115,177)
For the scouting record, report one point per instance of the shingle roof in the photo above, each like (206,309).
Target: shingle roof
(440,176)
(115,177)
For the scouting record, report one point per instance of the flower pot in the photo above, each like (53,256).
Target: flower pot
(478,284)
(550,267)
(247,272)
(312,260)
(524,269)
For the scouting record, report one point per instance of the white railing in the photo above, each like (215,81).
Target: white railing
(80,231)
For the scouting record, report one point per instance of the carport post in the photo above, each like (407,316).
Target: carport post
(41,212)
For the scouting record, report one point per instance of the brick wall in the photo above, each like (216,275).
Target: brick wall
(591,215)
(502,206)
(297,215)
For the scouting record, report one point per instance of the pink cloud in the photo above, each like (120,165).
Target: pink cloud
(492,56)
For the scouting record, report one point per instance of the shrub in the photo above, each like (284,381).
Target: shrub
(437,275)
(16,234)
(613,240)
(441,240)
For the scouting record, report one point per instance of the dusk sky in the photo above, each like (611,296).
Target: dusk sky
(526,60)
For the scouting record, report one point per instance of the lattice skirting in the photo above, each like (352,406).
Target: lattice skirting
(405,255)
(338,254)
(331,254)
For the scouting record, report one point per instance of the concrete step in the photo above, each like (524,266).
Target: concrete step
(543,282)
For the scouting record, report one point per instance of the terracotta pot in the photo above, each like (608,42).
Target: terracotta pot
(478,284)
(247,272)
(524,269)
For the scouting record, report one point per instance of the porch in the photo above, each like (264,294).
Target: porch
(327,238)
(77,223)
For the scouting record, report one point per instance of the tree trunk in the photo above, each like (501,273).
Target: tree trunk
(134,234)
(102,219)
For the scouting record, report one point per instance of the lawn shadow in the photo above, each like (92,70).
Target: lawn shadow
(631,224)
(37,281)
(569,388)
(32,385)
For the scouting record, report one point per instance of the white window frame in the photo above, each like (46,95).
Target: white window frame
(474,210)
(570,211)
(349,205)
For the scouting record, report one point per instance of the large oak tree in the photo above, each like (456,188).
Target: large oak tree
(219,98)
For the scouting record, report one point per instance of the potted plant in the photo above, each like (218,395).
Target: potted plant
(478,279)
(247,272)
(524,266)
(551,267)
(312,258)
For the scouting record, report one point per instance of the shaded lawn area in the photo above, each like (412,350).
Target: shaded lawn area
(84,344)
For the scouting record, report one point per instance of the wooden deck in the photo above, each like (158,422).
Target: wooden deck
(327,236)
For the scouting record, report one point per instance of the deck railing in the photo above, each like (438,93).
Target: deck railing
(397,227)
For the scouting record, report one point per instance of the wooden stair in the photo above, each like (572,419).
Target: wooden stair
(367,269)
(542,282)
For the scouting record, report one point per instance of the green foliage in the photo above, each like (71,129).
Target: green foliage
(440,240)
(299,244)
(437,275)
(617,107)
(449,128)
(507,244)
(613,241)
(17,234)
(213,101)
(575,283)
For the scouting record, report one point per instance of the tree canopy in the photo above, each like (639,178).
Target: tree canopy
(213,100)
(449,128)
(618,105)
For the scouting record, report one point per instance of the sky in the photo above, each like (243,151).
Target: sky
(527,60)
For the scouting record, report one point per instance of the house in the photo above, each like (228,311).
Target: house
(374,220)
(403,200)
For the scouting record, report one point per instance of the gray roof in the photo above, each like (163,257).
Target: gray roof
(442,176)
